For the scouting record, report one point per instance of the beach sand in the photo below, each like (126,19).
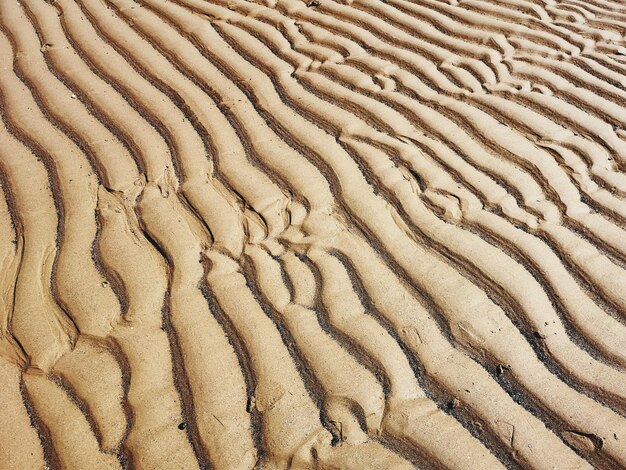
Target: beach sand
(334,234)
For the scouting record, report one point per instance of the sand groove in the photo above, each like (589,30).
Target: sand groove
(329,235)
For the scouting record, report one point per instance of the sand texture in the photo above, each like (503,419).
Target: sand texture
(333,234)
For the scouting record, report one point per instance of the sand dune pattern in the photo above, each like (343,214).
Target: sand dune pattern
(335,234)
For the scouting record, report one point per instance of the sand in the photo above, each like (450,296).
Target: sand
(334,234)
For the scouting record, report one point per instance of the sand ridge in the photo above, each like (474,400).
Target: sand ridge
(334,234)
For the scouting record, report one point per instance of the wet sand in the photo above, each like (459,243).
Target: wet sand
(279,234)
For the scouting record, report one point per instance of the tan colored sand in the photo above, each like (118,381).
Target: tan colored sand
(276,234)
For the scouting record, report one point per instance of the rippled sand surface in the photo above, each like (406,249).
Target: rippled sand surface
(334,234)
